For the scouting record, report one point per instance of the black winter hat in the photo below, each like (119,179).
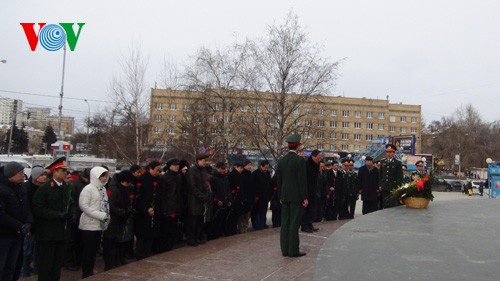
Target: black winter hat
(12,168)
(125,176)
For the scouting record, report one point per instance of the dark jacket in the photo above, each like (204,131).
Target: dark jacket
(274,194)
(237,183)
(171,196)
(198,190)
(291,176)
(368,183)
(148,196)
(14,209)
(312,178)
(51,204)
(220,188)
(77,187)
(30,188)
(261,184)
(334,180)
(390,174)
(120,208)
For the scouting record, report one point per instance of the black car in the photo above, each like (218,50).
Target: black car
(440,184)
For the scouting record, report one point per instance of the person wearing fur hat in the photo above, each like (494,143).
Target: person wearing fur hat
(120,228)
(15,219)
(54,211)
(95,217)
(39,176)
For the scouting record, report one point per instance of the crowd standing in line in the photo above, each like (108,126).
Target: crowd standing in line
(54,220)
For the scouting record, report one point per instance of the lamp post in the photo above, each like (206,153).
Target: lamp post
(88,121)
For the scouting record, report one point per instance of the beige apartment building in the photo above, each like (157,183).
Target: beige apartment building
(332,124)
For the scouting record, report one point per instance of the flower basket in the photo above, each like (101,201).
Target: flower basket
(416,203)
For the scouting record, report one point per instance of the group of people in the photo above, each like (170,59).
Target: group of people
(52,220)
(312,190)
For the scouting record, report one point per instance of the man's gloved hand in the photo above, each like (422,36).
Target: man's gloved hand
(25,229)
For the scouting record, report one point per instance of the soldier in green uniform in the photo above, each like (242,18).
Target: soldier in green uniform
(292,184)
(391,175)
(53,209)
(419,173)
(352,188)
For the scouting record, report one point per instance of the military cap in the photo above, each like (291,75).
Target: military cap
(293,139)
(344,160)
(238,162)
(390,147)
(328,162)
(202,156)
(58,164)
(246,162)
(419,162)
(369,158)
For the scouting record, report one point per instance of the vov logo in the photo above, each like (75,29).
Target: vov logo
(52,36)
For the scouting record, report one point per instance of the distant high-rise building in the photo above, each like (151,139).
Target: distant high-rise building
(9,107)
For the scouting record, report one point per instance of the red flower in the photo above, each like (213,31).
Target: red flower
(233,191)
(108,192)
(131,196)
(237,188)
(155,184)
(216,200)
(172,215)
(334,179)
(420,185)
(139,184)
(275,189)
(257,198)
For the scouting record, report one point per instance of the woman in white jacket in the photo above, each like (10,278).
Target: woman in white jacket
(95,217)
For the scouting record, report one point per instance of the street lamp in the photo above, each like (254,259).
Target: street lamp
(88,121)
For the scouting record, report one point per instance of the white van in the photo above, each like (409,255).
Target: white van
(27,166)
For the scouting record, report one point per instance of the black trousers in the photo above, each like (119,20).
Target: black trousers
(90,242)
(144,247)
(170,233)
(369,206)
(331,210)
(352,206)
(110,253)
(50,257)
(194,228)
(309,214)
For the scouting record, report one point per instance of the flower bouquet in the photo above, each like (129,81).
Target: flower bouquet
(415,194)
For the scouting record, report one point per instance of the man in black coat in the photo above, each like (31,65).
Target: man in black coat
(238,197)
(171,198)
(148,210)
(334,185)
(261,181)
(198,196)
(15,218)
(312,168)
(368,184)
(221,202)
(342,191)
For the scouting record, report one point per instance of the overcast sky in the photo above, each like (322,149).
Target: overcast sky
(440,54)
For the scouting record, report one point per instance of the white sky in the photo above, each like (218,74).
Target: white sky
(440,54)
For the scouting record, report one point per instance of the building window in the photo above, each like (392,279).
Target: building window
(296,122)
(270,109)
(357,125)
(171,130)
(380,126)
(392,129)
(413,130)
(332,147)
(228,119)
(357,136)
(321,123)
(320,146)
(172,118)
(309,111)
(185,132)
(186,107)
(173,106)
(403,119)
(333,112)
(157,142)
(345,136)
(369,114)
(357,114)
(369,126)
(242,119)
(158,118)
(321,112)
(333,135)
(392,118)
(345,124)
(214,118)
(257,108)
(333,124)
(381,115)
(403,129)
(269,120)
(244,108)
(307,135)
(214,131)
(269,132)
(201,107)
(345,147)
(309,123)
(345,113)
(381,136)
(369,137)
(158,105)
(414,119)
(320,135)
(156,130)
(256,120)
(357,147)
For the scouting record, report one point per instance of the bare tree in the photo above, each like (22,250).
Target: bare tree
(131,101)
(171,76)
(285,71)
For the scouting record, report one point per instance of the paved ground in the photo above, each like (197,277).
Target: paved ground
(250,256)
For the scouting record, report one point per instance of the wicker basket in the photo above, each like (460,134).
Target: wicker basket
(416,203)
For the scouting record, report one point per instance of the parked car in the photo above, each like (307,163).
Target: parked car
(27,166)
(440,184)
